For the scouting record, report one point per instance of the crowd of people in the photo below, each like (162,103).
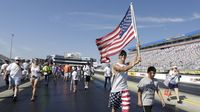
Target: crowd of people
(115,77)
(34,70)
(147,87)
(186,57)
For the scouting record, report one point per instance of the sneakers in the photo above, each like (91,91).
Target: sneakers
(14,99)
(86,87)
(179,101)
(74,91)
(32,99)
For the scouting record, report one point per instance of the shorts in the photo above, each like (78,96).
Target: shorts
(147,108)
(35,78)
(120,99)
(66,74)
(75,82)
(115,100)
(172,86)
(14,81)
(87,78)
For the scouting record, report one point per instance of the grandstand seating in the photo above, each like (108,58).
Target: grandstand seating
(3,58)
(186,57)
(182,51)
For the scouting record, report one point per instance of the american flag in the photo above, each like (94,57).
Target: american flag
(115,41)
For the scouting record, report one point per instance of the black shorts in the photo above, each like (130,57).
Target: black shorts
(75,82)
(147,108)
(87,78)
(172,86)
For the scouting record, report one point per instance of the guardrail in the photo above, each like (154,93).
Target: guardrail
(190,79)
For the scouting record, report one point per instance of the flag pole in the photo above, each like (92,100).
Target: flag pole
(135,27)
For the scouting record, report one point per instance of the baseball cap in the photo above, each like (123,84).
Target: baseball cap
(17,58)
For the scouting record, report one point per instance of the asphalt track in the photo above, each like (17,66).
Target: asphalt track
(57,97)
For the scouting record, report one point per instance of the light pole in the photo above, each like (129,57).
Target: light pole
(11,42)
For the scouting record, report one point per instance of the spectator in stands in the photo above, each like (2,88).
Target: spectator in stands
(185,56)
(146,90)
(119,95)
(174,78)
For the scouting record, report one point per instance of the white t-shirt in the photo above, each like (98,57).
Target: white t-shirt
(15,70)
(25,65)
(173,77)
(35,71)
(78,70)
(107,71)
(148,87)
(120,81)
(86,70)
(75,75)
(3,67)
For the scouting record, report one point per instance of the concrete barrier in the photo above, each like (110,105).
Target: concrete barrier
(184,78)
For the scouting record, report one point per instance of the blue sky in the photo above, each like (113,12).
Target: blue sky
(43,27)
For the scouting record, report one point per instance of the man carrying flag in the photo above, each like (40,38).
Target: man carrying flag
(120,95)
(112,44)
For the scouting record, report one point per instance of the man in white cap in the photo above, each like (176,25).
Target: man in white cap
(15,76)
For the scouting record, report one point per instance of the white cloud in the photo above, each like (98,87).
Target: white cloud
(195,16)
(168,19)
(149,26)
(160,20)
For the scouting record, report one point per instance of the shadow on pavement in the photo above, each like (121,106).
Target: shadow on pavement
(58,98)
(157,106)
(171,108)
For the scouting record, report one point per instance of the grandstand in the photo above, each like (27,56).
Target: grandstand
(2,57)
(72,59)
(182,51)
